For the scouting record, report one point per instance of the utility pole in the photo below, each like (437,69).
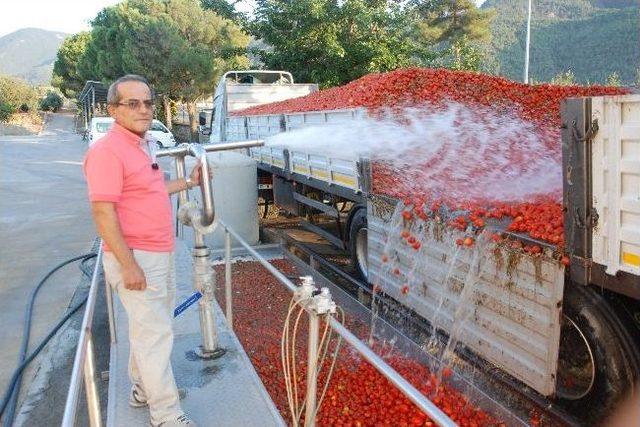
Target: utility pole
(528,42)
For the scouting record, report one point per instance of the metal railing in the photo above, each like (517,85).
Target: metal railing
(412,393)
(84,361)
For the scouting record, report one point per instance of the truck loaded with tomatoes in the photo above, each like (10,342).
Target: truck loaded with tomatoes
(502,214)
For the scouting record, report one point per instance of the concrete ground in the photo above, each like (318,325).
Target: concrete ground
(44,220)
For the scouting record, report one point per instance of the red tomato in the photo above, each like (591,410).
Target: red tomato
(446,372)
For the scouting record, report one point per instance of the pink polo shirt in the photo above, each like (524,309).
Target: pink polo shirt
(118,169)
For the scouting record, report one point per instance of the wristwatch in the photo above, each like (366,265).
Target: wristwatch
(189,183)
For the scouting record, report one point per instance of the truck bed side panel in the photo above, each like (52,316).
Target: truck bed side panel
(511,302)
(331,170)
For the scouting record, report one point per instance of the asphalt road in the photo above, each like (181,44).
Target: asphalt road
(44,220)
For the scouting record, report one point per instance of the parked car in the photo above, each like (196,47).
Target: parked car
(162,136)
(98,128)
(158,132)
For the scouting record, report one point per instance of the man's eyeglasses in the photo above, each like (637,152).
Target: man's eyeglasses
(135,104)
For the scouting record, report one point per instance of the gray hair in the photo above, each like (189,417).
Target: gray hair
(113,97)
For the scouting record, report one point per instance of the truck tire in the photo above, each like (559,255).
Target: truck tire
(358,242)
(598,361)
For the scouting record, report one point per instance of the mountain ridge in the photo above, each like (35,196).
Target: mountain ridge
(591,38)
(29,53)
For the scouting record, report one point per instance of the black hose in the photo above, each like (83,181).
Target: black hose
(18,372)
(14,389)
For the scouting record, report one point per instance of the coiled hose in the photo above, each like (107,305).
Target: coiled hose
(10,396)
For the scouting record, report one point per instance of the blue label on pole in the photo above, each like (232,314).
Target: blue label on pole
(182,307)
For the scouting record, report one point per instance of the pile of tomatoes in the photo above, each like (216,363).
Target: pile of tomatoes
(417,86)
(538,215)
(357,394)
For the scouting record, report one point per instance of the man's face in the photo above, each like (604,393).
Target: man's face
(131,112)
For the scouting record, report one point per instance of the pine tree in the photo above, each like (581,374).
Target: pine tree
(447,21)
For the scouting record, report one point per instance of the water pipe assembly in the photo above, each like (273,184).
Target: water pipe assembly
(201,216)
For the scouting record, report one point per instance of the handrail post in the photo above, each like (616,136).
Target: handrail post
(227,278)
(91,389)
(312,369)
(83,362)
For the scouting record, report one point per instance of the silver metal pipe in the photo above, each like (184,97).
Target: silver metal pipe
(405,387)
(198,239)
(208,328)
(112,321)
(227,279)
(183,149)
(90,387)
(205,282)
(312,369)
(387,371)
(208,212)
(71,405)
(183,195)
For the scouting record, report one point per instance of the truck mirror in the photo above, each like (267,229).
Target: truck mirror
(202,118)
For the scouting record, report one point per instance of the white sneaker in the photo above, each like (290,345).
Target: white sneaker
(137,399)
(181,421)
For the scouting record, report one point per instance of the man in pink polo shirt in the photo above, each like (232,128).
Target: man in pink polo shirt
(132,211)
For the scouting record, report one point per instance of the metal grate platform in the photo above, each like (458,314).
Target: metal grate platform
(222,392)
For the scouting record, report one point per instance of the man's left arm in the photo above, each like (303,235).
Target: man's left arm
(175,185)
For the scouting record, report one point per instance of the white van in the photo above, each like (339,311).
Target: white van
(98,128)
(158,132)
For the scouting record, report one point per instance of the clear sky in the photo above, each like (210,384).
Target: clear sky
(67,16)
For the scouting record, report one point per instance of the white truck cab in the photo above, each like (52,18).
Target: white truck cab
(238,90)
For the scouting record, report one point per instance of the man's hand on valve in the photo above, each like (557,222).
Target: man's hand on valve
(194,176)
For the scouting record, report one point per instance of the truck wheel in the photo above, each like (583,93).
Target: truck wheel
(358,242)
(598,361)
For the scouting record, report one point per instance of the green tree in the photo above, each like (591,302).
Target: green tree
(564,79)
(607,29)
(51,102)
(179,47)
(613,79)
(376,37)
(454,30)
(331,42)
(18,94)
(226,9)
(464,55)
(66,76)
(6,111)
(452,20)
(303,38)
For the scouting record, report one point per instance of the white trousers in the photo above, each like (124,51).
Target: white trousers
(150,315)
